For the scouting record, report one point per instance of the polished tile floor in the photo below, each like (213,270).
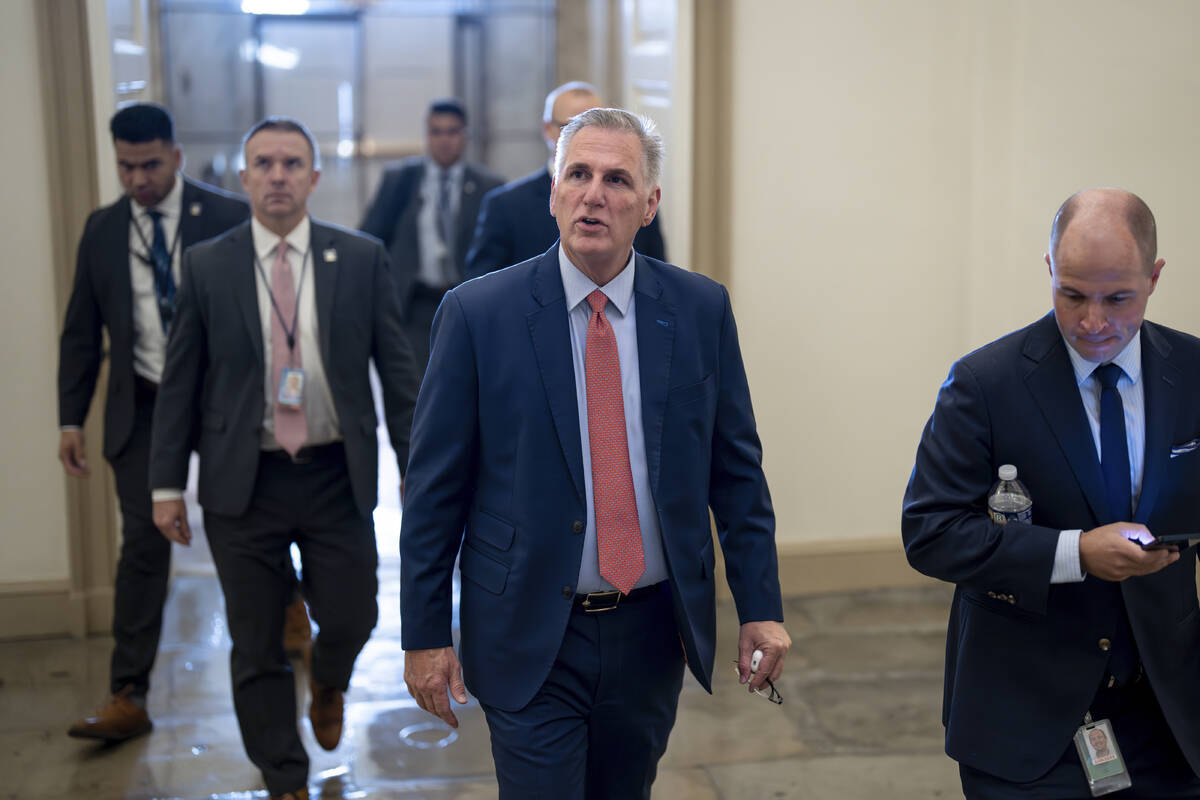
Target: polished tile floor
(860,717)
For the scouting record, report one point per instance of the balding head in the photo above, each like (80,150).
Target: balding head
(564,102)
(1093,210)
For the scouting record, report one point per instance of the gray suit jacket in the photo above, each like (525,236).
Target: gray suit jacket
(215,372)
(392,217)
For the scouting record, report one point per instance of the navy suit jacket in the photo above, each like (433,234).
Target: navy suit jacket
(392,217)
(515,224)
(215,370)
(496,470)
(102,297)
(1023,659)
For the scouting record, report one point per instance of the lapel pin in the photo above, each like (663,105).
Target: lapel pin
(330,256)
(195,209)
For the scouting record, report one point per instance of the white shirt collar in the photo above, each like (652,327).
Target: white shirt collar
(1129,360)
(265,241)
(578,286)
(433,169)
(170,206)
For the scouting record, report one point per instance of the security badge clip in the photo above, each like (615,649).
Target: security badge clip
(1103,765)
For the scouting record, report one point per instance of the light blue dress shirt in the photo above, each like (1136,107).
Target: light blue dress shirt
(1067,568)
(620,315)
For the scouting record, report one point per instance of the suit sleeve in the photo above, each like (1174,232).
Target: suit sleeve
(177,405)
(381,216)
(945,526)
(441,480)
(649,240)
(79,354)
(394,360)
(491,247)
(738,494)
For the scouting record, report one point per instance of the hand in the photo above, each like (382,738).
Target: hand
(1112,553)
(72,454)
(770,637)
(428,674)
(170,517)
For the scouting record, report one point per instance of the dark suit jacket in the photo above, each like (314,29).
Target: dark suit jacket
(1022,658)
(215,366)
(515,224)
(496,455)
(103,298)
(392,217)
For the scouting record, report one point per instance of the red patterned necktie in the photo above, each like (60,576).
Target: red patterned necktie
(291,424)
(618,534)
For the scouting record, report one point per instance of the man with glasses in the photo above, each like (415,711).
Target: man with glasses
(515,221)
(582,413)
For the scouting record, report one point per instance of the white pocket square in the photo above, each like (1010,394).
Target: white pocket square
(1186,447)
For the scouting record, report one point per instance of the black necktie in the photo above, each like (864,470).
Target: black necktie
(1114,449)
(446,227)
(164,280)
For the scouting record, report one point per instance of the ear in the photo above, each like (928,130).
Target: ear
(242,176)
(553,193)
(177,157)
(1158,265)
(1049,266)
(652,205)
(316,177)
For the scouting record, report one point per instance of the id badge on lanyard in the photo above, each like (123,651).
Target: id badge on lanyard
(1101,757)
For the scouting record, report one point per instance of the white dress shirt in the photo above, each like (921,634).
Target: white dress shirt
(620,315)
(318,401)
(429,240)
(1067,568)
(149,341)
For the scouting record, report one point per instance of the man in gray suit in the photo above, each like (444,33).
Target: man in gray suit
(424,212)
(267,373)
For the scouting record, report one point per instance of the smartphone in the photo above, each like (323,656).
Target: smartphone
(1172,540)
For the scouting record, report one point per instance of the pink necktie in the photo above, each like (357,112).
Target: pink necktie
(618,534)
(291,424)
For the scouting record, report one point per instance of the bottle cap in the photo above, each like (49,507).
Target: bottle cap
(1008,472)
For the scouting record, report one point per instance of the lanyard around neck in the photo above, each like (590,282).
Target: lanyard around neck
(289,333)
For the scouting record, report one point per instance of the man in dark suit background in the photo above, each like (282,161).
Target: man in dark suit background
(1066,615)
(424,212)
(278,323)
(125,278)
(582,412)
(515,222)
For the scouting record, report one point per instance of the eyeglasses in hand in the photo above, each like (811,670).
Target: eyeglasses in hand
(770,693)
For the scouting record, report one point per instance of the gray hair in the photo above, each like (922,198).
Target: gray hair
(286,125)
(616,119)
(573,87)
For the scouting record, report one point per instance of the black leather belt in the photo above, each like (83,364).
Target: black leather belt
(145,385)
(305,455)
(592,602)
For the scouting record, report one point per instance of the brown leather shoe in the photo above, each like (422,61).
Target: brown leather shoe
(299,794)
(297,630)
(325,713)
(119,719)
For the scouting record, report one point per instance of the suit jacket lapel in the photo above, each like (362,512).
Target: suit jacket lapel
(190,215)
(325,259)
(550,330)
(1051,380)
(115,246)
(245,285)
(656,340)
(1159,379)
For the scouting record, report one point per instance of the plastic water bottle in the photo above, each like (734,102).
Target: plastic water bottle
(1009,500)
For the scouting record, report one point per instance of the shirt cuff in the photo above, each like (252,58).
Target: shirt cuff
(64,428)
(162,495)
(1067,568)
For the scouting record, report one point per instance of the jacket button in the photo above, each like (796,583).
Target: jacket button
(1105,644)
(992,595)
(577,527)
(567,593)
(1012,601)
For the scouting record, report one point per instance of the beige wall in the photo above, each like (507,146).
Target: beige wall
(894,171)
(33,521)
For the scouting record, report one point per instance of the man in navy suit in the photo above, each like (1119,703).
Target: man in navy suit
(424,212)
(1065,616)
(515,223)
(582,412)
(125,278)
